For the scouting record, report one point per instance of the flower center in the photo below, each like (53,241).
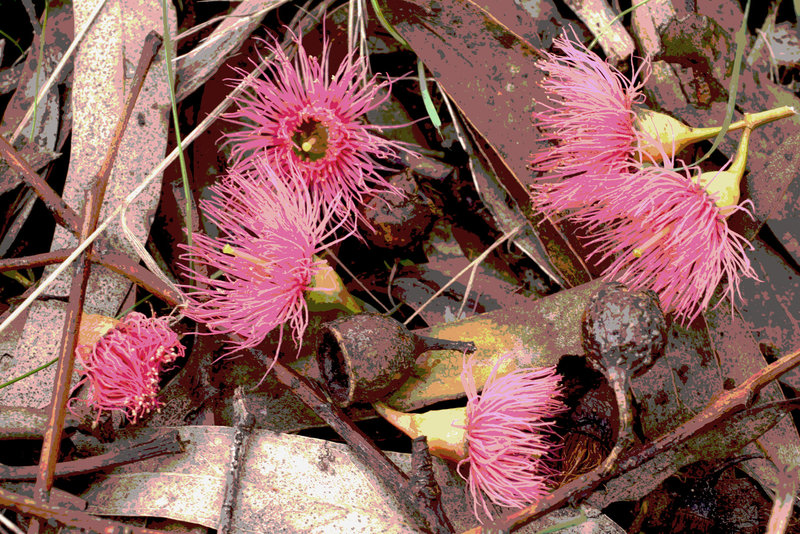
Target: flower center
(310,140)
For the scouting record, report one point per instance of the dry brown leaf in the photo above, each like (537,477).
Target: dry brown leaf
(194,69)
(104,65)
(58,34)
(740,357)
(609,31)
(494,97)
(35,343)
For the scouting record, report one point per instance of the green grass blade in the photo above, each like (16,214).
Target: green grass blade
(386,26)
(176,125)
(13,41)
(733,88)
(426,97)
(29,373)
(39,69)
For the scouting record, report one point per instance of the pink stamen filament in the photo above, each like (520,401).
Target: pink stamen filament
(242,255)
(638,251)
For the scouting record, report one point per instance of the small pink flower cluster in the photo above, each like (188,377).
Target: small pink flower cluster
(656,227)
(271,228)
(511,436)
(302,164)
(299,118)
(124,366)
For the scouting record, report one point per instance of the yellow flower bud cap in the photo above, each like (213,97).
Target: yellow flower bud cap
(93,327)
(445,429)
(326,290)
(661,135)
(724,186)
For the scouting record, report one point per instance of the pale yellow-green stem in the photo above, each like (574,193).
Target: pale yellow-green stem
(670,136)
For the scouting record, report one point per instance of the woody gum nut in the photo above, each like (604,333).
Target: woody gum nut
(399,220)
(624,328)
(364,357)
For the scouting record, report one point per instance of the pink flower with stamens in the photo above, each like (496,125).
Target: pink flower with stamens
(271,226)
(510,435)
(123,366)
(303,119)
(588,127)
(662,231)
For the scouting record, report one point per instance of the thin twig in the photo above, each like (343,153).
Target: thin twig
(152,42)
(9,525)
(119,263)
(167,443)
(66,363)
(30,9)
(245,422)
(64,215)
(350,273)
(505,237)
(57,71)
(423,482)
(365,450)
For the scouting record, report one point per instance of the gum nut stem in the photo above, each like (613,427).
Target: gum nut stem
(623,333)
(663,134)
(445,429)
(326,290)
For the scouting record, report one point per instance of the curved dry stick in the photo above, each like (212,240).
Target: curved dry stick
(432,520)
(51,441)
(167,443)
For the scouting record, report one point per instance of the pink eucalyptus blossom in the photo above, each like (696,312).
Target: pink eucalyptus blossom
(588,127)
(302,119)
(270,228)
(510,435)
(662,231)
(123,366)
